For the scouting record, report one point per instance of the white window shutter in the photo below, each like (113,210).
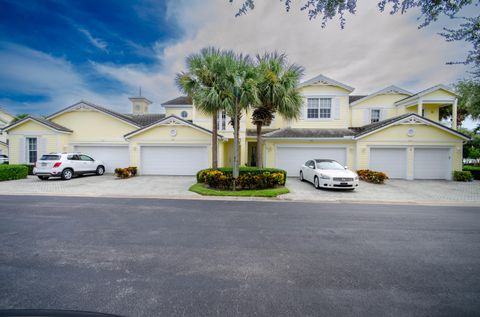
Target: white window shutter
(336,108)
(366,116)
(22,156)
(304,109)
(42,147)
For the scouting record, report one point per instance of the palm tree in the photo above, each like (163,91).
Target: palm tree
(200,84)
(277,92)
(239,87)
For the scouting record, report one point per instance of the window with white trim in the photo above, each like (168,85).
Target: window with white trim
(374,115)
(31,144)
(319,108)
(222,121)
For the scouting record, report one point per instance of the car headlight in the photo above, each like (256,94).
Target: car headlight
(356,178)
(324,176)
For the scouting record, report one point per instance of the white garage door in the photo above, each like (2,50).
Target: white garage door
(392,161)
(432,163)
(112,156)
(173,160)
(291,158)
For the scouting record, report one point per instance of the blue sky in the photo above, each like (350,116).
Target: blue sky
(54,53)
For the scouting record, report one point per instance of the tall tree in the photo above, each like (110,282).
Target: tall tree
(468,101)
(200,82)
(277,93)
(239,86)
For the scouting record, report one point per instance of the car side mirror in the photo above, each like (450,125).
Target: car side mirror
(346,167)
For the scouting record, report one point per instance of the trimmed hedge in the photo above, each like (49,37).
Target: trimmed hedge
(11,172)
(475,170)
(372,176)
(462,176)
(249,178)
(29,168)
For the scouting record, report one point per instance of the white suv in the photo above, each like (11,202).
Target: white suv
(66,165)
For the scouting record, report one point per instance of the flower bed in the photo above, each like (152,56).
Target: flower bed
(249,178)
(372,176)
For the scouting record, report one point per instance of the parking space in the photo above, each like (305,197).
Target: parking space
(433,191)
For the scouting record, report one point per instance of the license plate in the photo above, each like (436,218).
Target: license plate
(343,183)
(44,164)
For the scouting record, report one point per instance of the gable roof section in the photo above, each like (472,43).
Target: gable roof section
(377,126)
(49,124)
(106,111)
(297,133)
(179,102)
(168,120)
(324,80)
(353,98)
(423,93)
(146,119)
(387,90)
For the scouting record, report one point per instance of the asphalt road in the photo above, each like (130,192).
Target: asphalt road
(140,257)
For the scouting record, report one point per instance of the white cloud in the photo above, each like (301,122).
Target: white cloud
(29,72)
(98,43)
(373,51)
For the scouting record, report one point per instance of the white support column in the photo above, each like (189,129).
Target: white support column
(420,107)
(454,114)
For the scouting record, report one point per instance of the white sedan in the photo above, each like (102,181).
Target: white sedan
(328,174)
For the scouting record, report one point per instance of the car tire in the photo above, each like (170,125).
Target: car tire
(100,170)
(301,177)
(43,178)
(67,174)
(316,183)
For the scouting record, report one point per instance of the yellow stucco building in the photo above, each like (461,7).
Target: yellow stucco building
(391,130)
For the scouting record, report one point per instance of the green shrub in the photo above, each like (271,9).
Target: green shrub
(29,168)
(372,176)
(462,176)
(249,178)
(475,170)
(11,172)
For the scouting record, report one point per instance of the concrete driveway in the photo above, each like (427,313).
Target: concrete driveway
(402,191)
(394,191)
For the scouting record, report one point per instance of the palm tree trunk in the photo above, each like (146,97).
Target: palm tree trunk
(236,140)
(215,140)
(259,145)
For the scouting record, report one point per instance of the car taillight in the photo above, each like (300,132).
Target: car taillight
(57,164)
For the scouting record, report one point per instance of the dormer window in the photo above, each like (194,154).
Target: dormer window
(374,115)
(319,108)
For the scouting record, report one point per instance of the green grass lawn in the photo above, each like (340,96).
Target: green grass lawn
(272,192)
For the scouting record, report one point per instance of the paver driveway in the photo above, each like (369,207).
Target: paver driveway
(106,185)
(394,191)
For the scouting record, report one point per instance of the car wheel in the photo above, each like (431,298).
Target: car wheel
(67,174)
(43,178)
(316,182)
(100,170)
(301,176)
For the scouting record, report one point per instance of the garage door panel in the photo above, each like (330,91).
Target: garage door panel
(112,156)
(291,158)
(392,161)
(173,160)
(432,163)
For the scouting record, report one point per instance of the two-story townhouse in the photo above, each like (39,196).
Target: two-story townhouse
(391,130)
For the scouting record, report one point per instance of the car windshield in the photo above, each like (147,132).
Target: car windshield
(50,157)
(329,165)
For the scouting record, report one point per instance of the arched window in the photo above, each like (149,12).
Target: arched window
(184,114)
